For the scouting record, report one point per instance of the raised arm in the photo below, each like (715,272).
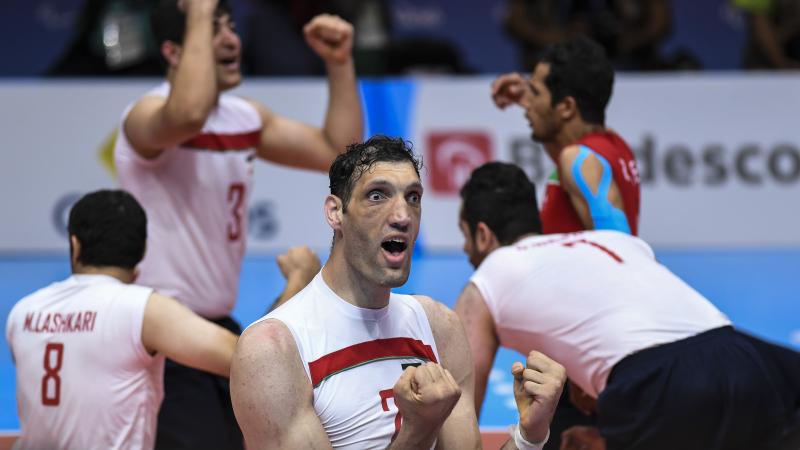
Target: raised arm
(295,144)
(299,265)
(179,334)
(271,393)
(460,430)
(156,123)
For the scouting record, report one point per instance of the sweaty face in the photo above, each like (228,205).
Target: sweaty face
(227,52)
(381,224)
(539,111)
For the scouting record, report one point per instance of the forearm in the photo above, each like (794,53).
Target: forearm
(344,119)
(293,286)
(193,89)
(413,439)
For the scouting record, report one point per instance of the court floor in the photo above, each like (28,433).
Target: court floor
(758,289)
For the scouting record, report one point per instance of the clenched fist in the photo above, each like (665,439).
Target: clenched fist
(508,89)
(300,262)
(331,37)
(537,388)
(425,395)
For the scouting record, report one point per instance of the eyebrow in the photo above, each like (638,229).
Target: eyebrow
(380,182)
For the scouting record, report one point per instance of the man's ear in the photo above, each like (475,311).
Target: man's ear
(333,212)
(485,239)
(567,108)
(171,51)
(74,249)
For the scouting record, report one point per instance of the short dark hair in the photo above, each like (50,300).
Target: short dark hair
(579,68)
(501,195)
(360,157)
(111,227)
(169,22)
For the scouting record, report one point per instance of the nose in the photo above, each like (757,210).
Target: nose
(400,216)
(228,36)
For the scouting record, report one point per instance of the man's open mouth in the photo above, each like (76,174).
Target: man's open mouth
(394,246)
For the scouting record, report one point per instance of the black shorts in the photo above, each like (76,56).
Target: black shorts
(721,390)
(197,413)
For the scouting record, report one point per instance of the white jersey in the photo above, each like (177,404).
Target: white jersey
(588,300)
(353,357)
(84,378)
(196,198)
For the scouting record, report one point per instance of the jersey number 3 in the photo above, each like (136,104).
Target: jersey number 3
(235,199)
(51,382)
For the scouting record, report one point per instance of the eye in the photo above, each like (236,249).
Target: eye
(414,198)
(376,195)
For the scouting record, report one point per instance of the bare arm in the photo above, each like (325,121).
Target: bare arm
(592,171)
(156,123)
(481,336)
(295,144)
(179,334)
(460,430)
(271,393)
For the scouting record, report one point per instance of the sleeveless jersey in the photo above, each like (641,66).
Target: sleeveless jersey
(84,378)
(196,198)
(588,300)
(353,357)
(558,214)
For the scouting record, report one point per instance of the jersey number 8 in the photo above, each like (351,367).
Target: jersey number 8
(53,357)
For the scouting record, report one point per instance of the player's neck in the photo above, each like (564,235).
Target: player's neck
(351,287)
(574,131)
(124,275)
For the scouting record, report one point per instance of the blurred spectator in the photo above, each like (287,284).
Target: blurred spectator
(631,31)
(773,34)
(535,24)
(375,52)
(111,37)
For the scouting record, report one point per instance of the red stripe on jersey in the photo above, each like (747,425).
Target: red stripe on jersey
(364,352)
(222,142)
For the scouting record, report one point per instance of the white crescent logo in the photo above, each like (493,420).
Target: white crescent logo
(459,158)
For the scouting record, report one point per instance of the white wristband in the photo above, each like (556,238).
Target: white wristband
(523,444)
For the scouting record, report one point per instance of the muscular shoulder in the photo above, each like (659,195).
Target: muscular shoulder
(447,329)
(440,316)
(269,338)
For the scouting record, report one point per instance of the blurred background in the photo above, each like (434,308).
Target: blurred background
(706,95)
(55,38)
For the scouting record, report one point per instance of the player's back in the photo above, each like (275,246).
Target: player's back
(84,378)
(589,299)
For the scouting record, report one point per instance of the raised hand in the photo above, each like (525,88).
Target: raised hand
(508,89)
(300,262)
(331,37)
(537,388)
(425,395)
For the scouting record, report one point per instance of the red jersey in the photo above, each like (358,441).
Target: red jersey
(559,216)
